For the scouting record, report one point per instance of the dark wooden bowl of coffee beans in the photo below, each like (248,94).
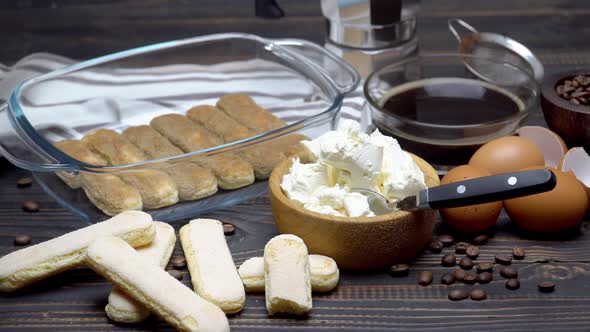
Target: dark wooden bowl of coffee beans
(565,99)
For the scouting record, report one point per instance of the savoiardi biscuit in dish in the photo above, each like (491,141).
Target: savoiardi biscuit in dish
(287,276)
(48,258)
(244,110)
(323,269)
(263,156)
(192,181)
(231,171)
(122,308)
(212,269)
(153,287)
(77,150)
(157,189)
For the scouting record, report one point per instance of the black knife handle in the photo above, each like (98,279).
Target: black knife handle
(489,189)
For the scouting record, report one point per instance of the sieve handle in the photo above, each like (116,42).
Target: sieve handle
(461,24)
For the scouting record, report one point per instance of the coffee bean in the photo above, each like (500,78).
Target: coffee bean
(459,274)
(503,259)
(508,272)
(24,182)
(30,206)
(480,239)
(447,279)
(546,286)
(478,294)
(176,274)
(472,252)
(446,240)
(435,246)
(470,278)
(485,267)
(22,240)
(512,284)
(484,278)
(178,262)
(466,263)
(518,252)
(458,294)
(399,270)
(228,229)
(425,278)
(448,260)
(461,247)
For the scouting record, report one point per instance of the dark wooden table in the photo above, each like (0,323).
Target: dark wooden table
(557,30)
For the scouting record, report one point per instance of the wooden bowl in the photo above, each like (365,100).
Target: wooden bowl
(568,120)
(363,243)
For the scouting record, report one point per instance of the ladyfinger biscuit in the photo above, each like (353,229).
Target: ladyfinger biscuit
(153,287)
(245,111)
(192,181)
(157,189)
(122,308)
(231,171)
(77,150)
(110,194)
(48,258)
(111,146)
(323,269)
(263,157)
(287,275)
(212,269)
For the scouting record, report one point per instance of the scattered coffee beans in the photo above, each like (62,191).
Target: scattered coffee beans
(448,260)
(466,263)
(485,267)
(478,294)
(484,278)
(518,252)
(503,259)
(546,286)
(446,240)
(469,278)
(178,262)
(458,294)
(176,274)
(399,270)
(472,252)
(22,240)
(435,246)
(461,247)
(480,239)
(512,284)
(30,206)
(576,90)
(425,278)
(24,182)
(508,272)
(228,229)
(459,274)
(447,279)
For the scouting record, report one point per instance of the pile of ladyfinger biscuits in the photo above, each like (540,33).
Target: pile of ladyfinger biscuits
(131,251)
(235,117)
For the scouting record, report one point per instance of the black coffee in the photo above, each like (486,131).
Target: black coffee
(450,101)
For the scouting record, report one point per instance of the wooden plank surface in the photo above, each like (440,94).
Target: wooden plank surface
(74,301)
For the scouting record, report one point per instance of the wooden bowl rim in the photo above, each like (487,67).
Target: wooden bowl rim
(548,91)
(276,191)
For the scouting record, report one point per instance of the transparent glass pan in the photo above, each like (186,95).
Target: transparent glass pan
(299,82)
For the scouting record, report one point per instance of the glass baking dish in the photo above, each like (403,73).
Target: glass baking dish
(296,80)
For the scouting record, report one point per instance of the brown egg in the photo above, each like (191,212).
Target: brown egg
(507,154)
(473,218)
(553,211)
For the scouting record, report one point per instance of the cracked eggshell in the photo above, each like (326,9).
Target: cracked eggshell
(550,144)
(577,161)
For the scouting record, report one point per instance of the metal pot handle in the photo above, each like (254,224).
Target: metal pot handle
(451,23)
